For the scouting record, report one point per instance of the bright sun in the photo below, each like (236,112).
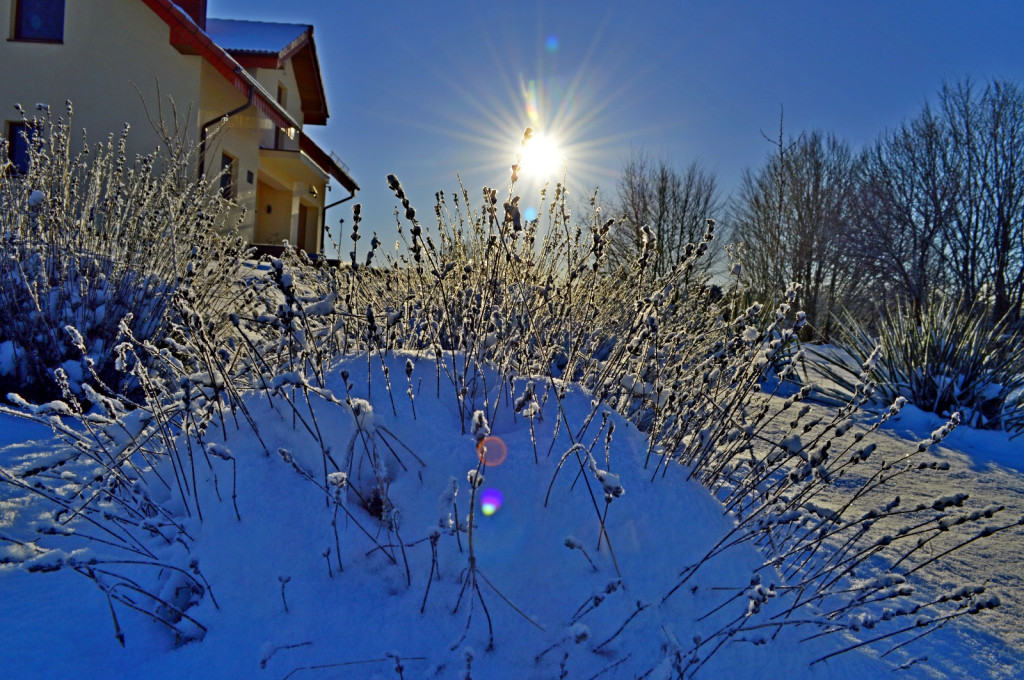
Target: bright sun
(541,157)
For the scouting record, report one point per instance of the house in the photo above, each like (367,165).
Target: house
(111,57)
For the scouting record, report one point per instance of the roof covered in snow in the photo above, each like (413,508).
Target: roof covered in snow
(264,44)
(236,49)
(256,37)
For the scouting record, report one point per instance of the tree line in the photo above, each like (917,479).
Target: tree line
(933,206)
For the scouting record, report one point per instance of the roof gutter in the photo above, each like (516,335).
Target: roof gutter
(189,38)
(268,100)
(206,126)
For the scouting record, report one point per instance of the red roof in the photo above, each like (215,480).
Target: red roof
(263,44)
(188,38)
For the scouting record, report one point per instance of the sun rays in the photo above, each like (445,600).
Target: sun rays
(567,92)
(541,157)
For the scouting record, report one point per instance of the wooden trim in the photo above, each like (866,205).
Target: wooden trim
(36,40)
(188,38)
(252,60)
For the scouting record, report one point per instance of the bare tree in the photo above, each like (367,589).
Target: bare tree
(910,189)
(796,218)
(674,205)
(943,200)
(985,243)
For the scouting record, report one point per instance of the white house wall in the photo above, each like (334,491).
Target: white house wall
(239,137)
(110,48)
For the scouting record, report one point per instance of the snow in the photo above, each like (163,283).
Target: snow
(8,357)
(985,469)
(236,35)
(984,449)
(286,603)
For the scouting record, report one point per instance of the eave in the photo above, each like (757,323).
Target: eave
(188,38)
(307,74)
(328,163)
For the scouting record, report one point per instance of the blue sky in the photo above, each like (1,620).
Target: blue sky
(425,90)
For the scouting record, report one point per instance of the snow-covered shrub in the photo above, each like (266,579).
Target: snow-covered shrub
(953,359)
(509,319)
(90,239)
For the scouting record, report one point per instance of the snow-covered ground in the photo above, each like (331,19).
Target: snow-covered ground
(989,467)
(407,600)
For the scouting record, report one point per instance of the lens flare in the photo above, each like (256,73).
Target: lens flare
(492,451)
(490,501)
(531,98)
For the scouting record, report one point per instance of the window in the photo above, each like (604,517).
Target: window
(228,175)
(282,99)
(18,136)
(39,20)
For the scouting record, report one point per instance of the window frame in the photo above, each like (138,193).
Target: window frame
(50,33)
(228,176)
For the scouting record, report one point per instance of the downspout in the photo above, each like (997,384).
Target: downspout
(351,195)
(347,198)
(324,228)
(207,125)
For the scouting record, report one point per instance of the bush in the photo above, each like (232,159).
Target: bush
(507,314)
(955,358)
(91,239)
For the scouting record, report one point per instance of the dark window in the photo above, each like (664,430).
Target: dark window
(18,136)
(228,175)
(39,20)
(282,99)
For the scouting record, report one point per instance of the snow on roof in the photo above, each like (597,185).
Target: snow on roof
(257,37)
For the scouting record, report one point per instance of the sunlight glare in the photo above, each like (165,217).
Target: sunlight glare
(542,157)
